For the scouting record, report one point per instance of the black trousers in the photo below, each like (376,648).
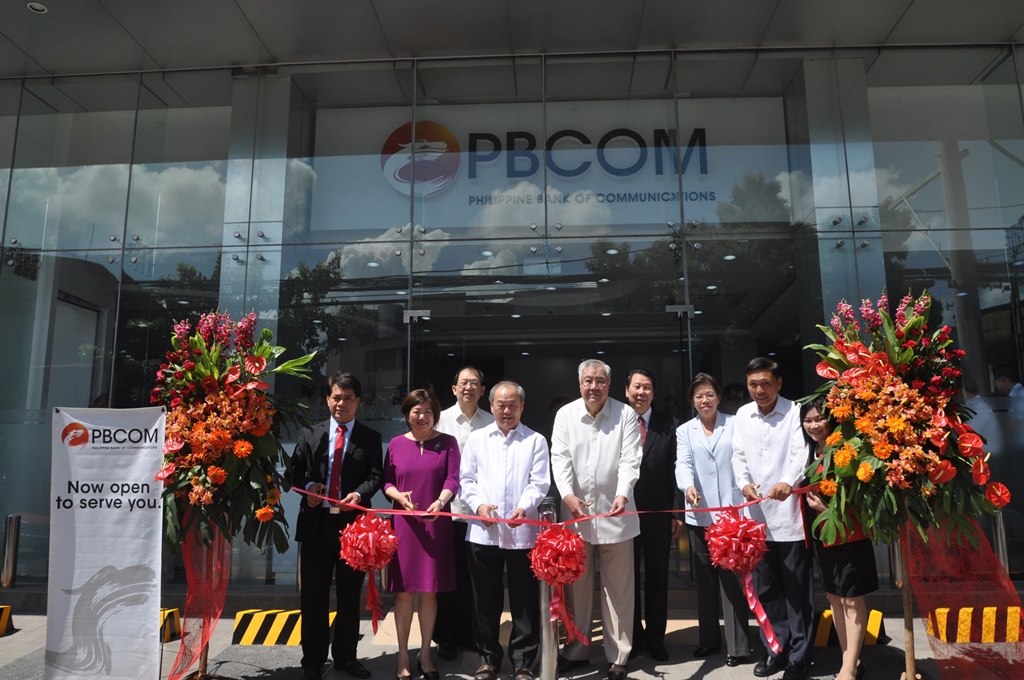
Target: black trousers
(487,563)
(735,611)
(784,584)
(320,562)
(453,626)
(655,544)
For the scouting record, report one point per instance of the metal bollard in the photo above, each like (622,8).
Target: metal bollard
(999,538)
(549,632)
(12,532)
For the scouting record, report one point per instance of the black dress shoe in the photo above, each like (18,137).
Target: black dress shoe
(616,672)
(795,671)
(701,652)
(353,667)
(769,665)
(310,674)
(565,665)
(657,651)
(486,672)
(447,651)
(733,661)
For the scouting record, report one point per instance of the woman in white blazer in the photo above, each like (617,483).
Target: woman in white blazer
(704,473)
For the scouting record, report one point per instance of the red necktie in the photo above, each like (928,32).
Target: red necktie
(339,449)
(643,431)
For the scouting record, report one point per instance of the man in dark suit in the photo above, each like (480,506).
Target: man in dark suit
(338,458)
(655,490)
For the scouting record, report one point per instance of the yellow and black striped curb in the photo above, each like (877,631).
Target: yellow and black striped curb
(170,625)
(825,635)
(994,624)
(6,625)
(270,627)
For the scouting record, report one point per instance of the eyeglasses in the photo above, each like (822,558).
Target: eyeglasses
(469,383)
(705,396)
(594,382)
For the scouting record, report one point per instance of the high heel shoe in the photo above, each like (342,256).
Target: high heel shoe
(430,675)
(861,670)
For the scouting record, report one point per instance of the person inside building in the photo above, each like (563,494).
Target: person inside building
(769,457)
(421,472)
(848,567)
(504,474)
(595,458)
(655,490)
(339,458)
(453,628)
(704,474)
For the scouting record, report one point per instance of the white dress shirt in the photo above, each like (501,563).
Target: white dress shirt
(454,422)
(332,440)
(705,463)
(509,472)
(597,458)
(766,450)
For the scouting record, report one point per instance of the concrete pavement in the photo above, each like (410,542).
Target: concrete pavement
(21,656)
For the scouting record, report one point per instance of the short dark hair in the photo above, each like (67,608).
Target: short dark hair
(479,374)
(640,371)
(763,364)
(817,403)
(703,379)
(1005,371)
(417,397)
(345,381)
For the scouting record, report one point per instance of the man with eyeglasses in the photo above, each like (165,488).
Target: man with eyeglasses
(595,456)
(453,627)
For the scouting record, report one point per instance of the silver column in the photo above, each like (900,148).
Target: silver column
(549,632)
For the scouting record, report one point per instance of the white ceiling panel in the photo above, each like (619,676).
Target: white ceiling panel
(704,23)
(833,22)
(318,30)
(190,33)
(956,21)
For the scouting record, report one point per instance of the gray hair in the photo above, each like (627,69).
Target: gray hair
(595,363)
(508,383)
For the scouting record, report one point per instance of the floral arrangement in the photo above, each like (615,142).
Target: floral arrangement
(220,453)
(900,450)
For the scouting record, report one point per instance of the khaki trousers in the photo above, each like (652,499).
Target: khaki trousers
(617,601)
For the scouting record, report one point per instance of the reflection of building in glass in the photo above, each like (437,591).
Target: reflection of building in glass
(402,205)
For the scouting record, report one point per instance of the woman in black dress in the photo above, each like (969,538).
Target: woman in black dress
(847,568)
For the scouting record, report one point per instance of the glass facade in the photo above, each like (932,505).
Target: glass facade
(682,212)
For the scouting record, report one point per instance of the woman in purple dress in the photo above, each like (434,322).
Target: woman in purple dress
(421,473)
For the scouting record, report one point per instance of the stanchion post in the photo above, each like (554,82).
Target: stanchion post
(549,632)
(12,532)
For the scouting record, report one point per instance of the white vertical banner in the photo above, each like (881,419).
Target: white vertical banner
(103,600)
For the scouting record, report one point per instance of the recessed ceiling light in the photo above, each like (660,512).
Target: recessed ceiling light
(606,313)
(182,302)
(526,354)
(550,288)
(712,287)
(400,292)
(604,280)
(342,339)
(516,316)
(729,258)
(498,281)
(451,354)
(612,251)
(771,354)
(962,293)
(373,264)
(425,318)
(317,321)
(698,312)
(599,352)
(682,278)
(487,253)
(37,7)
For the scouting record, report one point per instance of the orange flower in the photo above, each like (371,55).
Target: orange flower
(273,496)
(217,475)
(842,412)
(865,424)
(265,514)
(865,473)
(895,424)
(242,448)
(882,449)
(834,439)
(845,455)
(828,487)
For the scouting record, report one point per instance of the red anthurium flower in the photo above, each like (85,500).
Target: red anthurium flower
(997,494)
(826,371)
(959,427)
(165,472)
(980,471)
(255,364)
(972,445)
(232,374)
(173,443)
(257,385)
(209,384)
(942,472)
(940,419)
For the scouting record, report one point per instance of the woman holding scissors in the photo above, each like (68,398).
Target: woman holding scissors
(704,473)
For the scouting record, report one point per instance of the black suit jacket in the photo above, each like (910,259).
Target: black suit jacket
(360,470)
(656,488)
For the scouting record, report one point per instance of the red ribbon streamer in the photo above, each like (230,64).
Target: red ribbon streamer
(207,569)
(368,544)
(762,618)
(559,557)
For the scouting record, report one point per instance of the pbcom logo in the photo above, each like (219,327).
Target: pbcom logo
(430,156)
(75,436)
